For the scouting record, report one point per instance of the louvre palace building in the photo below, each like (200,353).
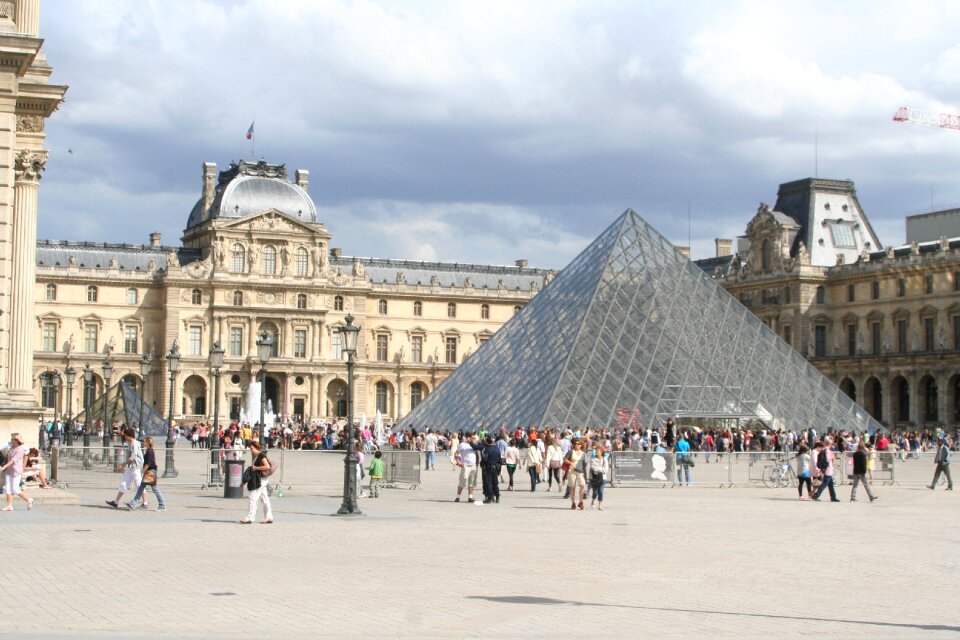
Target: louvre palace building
(254,259)
(883,323)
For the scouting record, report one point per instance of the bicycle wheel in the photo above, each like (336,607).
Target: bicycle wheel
(788,478)
(770,479)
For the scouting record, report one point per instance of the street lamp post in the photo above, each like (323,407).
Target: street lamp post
(107,427)
(264,351)
(173,363)
(145,363)
(88,382)
(216,362)
(350,333)
(71,375)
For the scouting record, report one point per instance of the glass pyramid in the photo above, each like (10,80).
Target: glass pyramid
(126,406)
(633,332)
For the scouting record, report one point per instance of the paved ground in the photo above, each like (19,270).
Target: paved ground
(656,562)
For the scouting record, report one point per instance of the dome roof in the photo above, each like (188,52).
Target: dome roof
(247,189)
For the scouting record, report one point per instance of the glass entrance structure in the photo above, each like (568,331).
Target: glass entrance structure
(127,406)
(633,328)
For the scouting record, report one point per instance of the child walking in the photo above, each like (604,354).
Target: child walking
(376,474)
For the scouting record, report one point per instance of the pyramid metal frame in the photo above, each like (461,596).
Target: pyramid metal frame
(123,400)
(632,327)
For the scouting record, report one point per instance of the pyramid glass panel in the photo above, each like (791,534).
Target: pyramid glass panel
(124,405)
(633,328)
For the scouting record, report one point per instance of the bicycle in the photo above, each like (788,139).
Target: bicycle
(780,474)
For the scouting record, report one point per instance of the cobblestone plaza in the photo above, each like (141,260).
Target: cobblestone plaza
(683,562)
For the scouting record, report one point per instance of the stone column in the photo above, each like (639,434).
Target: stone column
(28,166)
(28,17)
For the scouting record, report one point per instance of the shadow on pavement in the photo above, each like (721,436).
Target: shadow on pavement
(553,601)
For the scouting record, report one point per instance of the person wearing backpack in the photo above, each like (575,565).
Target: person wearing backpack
(825,466)
(257,480)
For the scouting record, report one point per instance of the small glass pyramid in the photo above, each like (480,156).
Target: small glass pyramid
(633,328)
(126,406)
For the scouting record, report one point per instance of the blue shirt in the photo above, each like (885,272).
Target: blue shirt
(682,447)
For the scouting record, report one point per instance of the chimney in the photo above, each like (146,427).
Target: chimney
(303,179)
(209,184)
(685,251)
(521,263)
(724,247)
(336,252)
(155,239)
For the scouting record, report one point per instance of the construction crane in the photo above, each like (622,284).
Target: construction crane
(927,117)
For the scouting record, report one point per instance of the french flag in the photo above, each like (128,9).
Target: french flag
(250,131)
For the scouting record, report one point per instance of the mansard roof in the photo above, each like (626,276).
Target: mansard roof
(97,255)
(411,272)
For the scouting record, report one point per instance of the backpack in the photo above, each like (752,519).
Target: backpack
(822,462)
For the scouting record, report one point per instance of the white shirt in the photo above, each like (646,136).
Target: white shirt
(467,455)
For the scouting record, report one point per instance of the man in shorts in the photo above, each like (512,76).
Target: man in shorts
(132,468)
(466,458)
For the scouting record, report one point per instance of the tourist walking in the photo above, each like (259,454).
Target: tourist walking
(376,474)
(533,459)
(511,458)
(257,486)
(825,466)
(149,479)
(941,459)
(553,461)
(466,458)
(803,472)
(683,461)
(430,451)
(13,473)
(575,475)
(132,468)
(599,471)
(860,472)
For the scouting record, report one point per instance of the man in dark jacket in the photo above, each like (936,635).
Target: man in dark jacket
(860,472)
(942,460)
(491,460)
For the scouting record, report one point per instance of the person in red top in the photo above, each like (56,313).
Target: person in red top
(883,442)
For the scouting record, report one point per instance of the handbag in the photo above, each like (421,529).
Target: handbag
(150,477)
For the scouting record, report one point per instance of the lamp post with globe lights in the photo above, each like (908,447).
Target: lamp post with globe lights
(216,363)
(264,351)
(173,364)
(350,332)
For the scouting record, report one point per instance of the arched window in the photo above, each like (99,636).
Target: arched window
(238,258)
(301,301)
(91,293)
(238,298)
(382,307)
(338,303)
(418,308)
(484,312)
(132,296)
(49,385)
(451,310)
(196,297)
(301,262)
(51,292)
(269,260)
(767,255)
(416,394)
(382,392)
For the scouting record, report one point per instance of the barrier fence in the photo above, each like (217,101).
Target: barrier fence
(321,469)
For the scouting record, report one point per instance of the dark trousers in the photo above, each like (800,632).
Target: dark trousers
(511,468)
(804,481)
(491,482)
(826,484)
(944,469)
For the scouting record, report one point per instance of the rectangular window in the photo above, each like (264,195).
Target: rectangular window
(236,341)
(956,280)
(416,348)
(875,339)
(928,284)
(787,295)
(299,343)
(851,339)
(49,336)
(336,346)
(451,351)
(875,290)
(956,332)
(90,332)
(194,340)
(382,348)
(788,335)
(929,329)
(821,295)
(842,233)
(820,340)
(901,288)
(851,293)
(902,336)
(131,335)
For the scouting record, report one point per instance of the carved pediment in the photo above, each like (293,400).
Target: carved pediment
(267,221)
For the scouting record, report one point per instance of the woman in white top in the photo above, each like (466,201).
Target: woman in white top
(803,471)
(511,458)
(13,471)
(554,459)
(599,471)
(533,460)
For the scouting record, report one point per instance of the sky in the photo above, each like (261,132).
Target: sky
(489,131)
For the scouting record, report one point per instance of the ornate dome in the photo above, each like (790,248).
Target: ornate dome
(250,188)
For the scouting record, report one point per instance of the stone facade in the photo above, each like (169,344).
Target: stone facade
(884,326)
(26,100)
(254,258)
